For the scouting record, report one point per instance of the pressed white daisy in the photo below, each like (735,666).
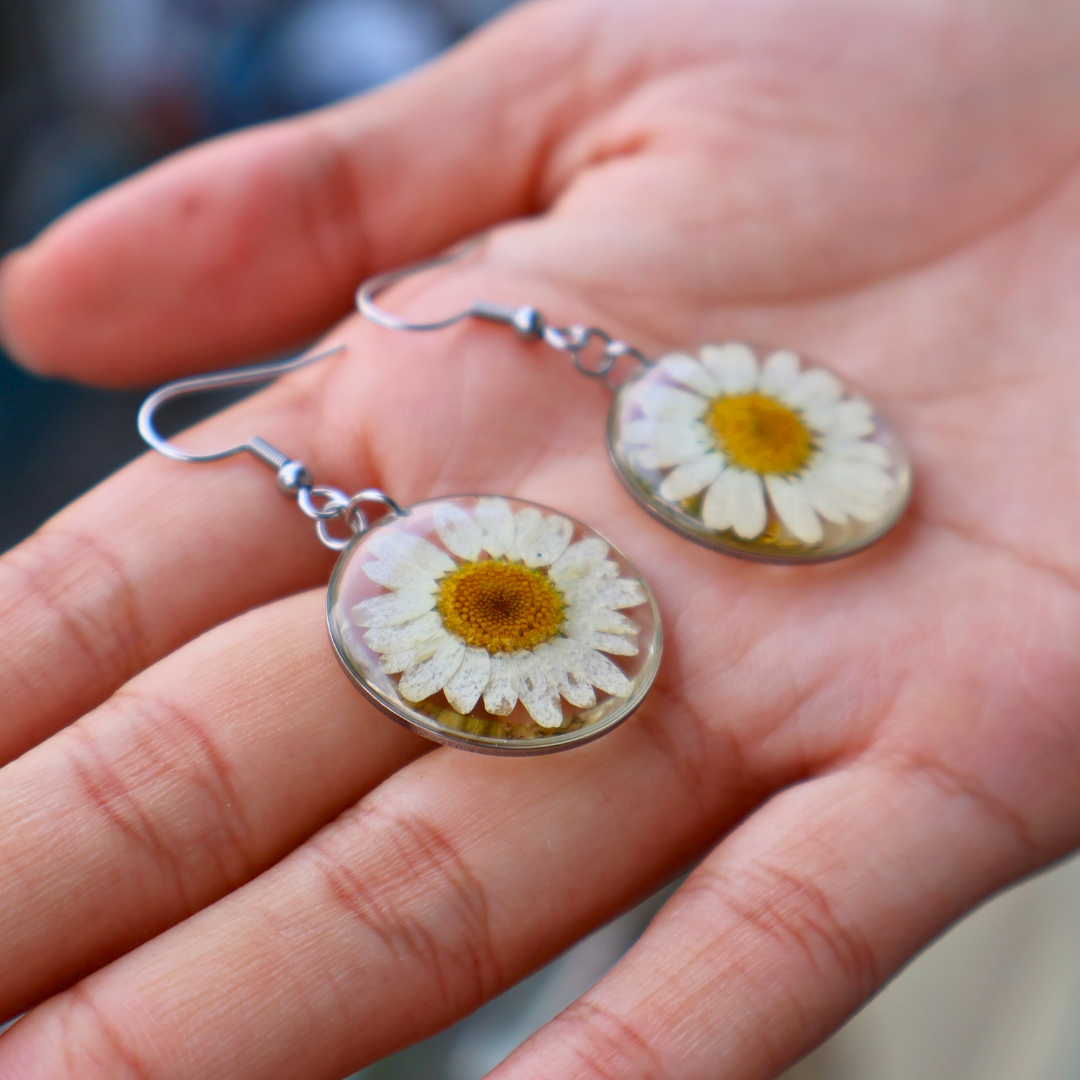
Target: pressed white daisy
(747,437)
(510,611)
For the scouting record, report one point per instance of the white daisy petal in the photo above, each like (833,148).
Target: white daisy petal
(392,662)
(408,635)
(691,477)
(690,372)
(779,371)
(543,540)
(750,512)
(404,547)
(394,608)
(736,500)
(865,482)
(856,450)
(734,366)
(399,660)
(464,689)
(540,697)
(580,622)
(428,676)
(574,687)
(823,499)
(578,560)
(526,521)
(598,591)
(813,389)
(458,531)
(495,520)
(665,450)
(826,482)
(500,697)
(399,575)
(718,505)
(616,644)
(850,419)
(794,509)
(671,403)
(645,430)
(590,666)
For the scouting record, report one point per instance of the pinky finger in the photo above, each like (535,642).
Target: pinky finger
(782,932)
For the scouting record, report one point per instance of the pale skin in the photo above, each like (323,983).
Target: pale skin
(220,862)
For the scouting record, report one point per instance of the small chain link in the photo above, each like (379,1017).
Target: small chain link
(337,506)
(576,340)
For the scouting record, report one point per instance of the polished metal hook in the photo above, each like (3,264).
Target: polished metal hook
(526,321)
(195,384)
(322,504)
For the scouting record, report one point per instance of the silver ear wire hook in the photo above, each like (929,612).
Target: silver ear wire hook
(293,477)
(526,321)
(195,384)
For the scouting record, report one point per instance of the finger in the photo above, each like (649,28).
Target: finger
(162,551)
(786,929)
(257,240)
(143,563)
(191,780)
(451,880)
(458,875)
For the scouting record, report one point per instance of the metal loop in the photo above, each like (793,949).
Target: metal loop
(339,506)
(334,543)
(374,495)
(336,504)
(574,340)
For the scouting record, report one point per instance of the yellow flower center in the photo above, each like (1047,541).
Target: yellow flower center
(758,433)
(500,606)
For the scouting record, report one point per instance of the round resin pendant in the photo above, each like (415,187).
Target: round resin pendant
(494,624)
(758,453)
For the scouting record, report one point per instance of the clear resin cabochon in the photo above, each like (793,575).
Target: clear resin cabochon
(494,624)
(759,453)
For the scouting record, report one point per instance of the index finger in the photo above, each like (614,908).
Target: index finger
(256,241)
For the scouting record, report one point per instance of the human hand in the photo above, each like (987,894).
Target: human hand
(251,871)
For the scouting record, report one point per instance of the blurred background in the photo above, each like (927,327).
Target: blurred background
(91,90)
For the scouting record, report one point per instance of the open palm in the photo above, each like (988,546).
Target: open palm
(239,868)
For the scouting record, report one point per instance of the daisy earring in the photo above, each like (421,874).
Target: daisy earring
(753,451)
(479,621)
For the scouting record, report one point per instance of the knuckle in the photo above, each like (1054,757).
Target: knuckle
(605,1046)
(89,1043)
(424,904)
(199,852)
(953,783)
(71,598)
(799,916)
(330,206)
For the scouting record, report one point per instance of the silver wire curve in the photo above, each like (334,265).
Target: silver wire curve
(196,383)
(294,479)
(525,320)
(368,290)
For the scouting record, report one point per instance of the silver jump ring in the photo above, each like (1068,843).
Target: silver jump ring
(335,505)
(357,518)
(334,543)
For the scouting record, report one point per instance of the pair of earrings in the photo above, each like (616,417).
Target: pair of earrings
(501,626)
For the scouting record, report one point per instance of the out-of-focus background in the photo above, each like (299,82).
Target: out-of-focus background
(91,90)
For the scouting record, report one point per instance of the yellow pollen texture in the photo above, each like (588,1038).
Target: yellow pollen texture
(756,432)
(500,606)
